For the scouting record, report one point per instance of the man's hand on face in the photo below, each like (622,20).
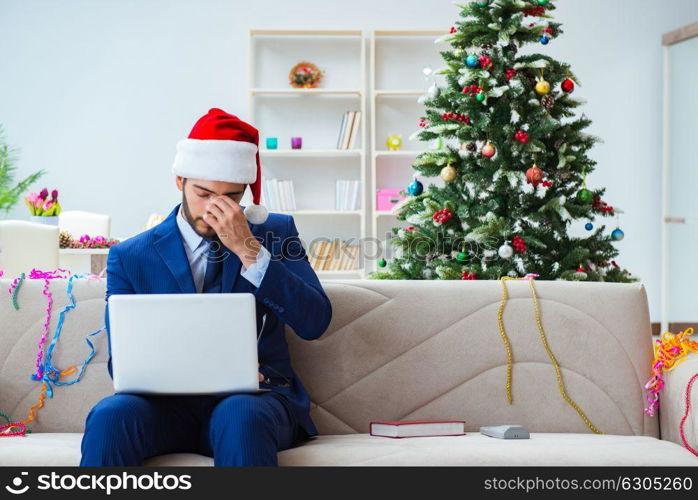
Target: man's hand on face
(227,218)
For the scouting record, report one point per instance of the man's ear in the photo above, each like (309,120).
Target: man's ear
(180,181)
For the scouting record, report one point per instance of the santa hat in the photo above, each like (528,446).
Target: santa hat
(221,147)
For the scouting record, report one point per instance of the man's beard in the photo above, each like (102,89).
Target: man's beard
(192,221)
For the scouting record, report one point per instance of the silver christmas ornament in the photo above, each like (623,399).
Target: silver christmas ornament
(506,251)
(433,91)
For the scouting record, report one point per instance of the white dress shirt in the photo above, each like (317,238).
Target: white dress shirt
(196,247)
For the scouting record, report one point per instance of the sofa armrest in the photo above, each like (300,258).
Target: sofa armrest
(672,403)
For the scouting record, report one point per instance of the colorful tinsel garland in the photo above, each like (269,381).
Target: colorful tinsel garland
(46,373)
(669,351)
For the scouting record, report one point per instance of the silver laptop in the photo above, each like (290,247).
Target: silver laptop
(184,343)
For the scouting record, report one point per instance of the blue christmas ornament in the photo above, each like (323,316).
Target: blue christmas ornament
(544,40)
(472,61)
(617,234)
(415,188)
(589,226)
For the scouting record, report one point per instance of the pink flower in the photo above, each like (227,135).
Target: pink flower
(43,194)
(84,238)
(47,204)
(100,240)
(54,195)
(32,198)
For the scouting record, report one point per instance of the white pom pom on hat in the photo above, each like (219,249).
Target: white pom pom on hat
(221,147)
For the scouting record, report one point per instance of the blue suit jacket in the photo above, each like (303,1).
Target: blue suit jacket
(155,261)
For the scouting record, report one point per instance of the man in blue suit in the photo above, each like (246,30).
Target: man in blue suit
(209,244)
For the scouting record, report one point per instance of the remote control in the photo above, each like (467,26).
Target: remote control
(506,432)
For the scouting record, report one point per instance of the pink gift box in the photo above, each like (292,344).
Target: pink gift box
(386,198)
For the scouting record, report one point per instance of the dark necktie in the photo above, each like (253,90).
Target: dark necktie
(214,267)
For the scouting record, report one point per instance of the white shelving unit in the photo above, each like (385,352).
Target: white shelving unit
(315,115)
(396,81)
(397,58)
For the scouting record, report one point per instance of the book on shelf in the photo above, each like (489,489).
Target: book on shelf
(347,193)
(278,194)
(349,130)
(334,255)
(417,428)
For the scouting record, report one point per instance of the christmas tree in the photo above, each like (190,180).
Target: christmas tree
(513,158)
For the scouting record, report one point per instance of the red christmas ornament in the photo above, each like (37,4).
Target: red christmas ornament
(485,61)
(580,269)
(467,275)
(442,216)
(471,90)
(410,228)
(521,136)
(453,29)
(601,206)
(536,11)
(547,184)
(518,244)
(450,115)
(422,122)
(568,85)
(534,175)
(510,74)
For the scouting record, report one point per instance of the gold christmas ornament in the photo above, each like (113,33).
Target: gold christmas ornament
(448,173)
(542,87)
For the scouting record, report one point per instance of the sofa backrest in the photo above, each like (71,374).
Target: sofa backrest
(404,350)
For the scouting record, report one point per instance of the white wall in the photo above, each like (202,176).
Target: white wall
(98,92)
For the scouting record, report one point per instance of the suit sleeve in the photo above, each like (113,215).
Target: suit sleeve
(117,283)
(293,291)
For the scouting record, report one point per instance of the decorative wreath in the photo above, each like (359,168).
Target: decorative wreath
(305,75)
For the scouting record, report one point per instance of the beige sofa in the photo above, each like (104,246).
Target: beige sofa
(405,350)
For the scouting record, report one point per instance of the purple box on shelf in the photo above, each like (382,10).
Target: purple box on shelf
(387,198)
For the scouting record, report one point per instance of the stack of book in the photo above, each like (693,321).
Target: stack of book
(335,255)
(348,130)
(347,194)
(278,194)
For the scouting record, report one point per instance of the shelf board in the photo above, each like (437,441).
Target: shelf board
(319,33)
(311,152)
(402,152)
(397,92)
(319,212)
(316,91)
(435,33)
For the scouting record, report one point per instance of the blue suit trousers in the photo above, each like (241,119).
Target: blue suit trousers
(235,429)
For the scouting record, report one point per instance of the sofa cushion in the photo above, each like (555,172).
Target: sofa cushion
(543,449)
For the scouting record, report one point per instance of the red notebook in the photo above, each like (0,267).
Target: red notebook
(417,428)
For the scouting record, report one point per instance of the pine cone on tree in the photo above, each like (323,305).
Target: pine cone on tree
(471,146)
(548,101)
(64,239)
(563,175)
